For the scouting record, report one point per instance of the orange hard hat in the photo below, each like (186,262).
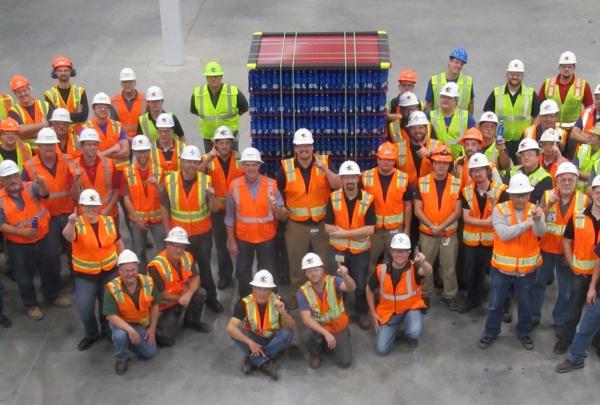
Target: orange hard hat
(62,61)
(387,150)
(18,81)
(441,154)
(407,75)
(9,125)
(472,133)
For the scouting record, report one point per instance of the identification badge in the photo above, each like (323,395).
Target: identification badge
(394,232)
(551,217)
(314,231)
(446,242)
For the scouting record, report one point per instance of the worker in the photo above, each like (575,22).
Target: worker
(60,122)
(479,197)
(142,199)
(217,103)
(11,147)
(453,74)
(539,178)
(414,153)
(147,121)
(589,118)
(407,80)
(515,104)
(398,281)
(167,148)
(392,199)
(305,181)
(95,242)
(548,119)
(322,311)
(24,221)
(131,308)
(588,157)
(579,242)
(65,94)
(129,104)
(405,105)
(6,103)
(572,91)
(559,205)
(516,255)
(437,206)
(253,207)
(177,279)
(187,200)
(494,147)
(448,121)
(472,142)
(551,157)
(261,326)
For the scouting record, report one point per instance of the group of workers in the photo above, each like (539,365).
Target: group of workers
(515,196)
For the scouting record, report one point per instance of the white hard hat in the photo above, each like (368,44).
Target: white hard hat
(89,196)
(567,58)
(417,118)
(596,181)
(60,115)
(127,256)
(8,168)
(88,134)
(140,143)
(566,168)
(154,93)
(250,154)
(349,168)
(408,99)
(223,132)
(191,152)
(311,260)
(450,89)
(177,235)
(101,98)
(528,144)
(303,136)
(519,184)
(597,89)
(400,241)
(478,160)
(548,107)
(516,65)
(127,74)
(263,279)
(165,120)
(550,135)
(46,136)
(489,116)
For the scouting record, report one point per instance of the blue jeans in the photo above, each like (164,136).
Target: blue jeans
(88,290)
(500,285)
(57,224)
(413,328)
(589,326)
(270,346)
(121,342)
(563,277)
(358,268)
(265,256)
(476,266)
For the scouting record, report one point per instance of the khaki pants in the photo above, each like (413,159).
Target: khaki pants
(432,247)
(298,238)
(380,242)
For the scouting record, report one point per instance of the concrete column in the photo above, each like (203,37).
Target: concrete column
(172,38)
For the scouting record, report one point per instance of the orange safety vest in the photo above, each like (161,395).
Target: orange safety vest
(158,157)
(329,310)
(475,235)
(189,210)
(407,165)
(461,169)
(109,138)
(71,145)
(221,181)
(520,255)
(128,310)
(32,208)
(89,256)
(584,241)
(103,181)
(72,103)
(145,197)
(60,200)
(173,281)
(342,219)
(254,218)
(389,211)
(405,297)
(266,326)
(531,132)
(434,211)
(588,116)
(556,222)
(23,153)
(303,202)
(550,169)
(129,118)
(40,111)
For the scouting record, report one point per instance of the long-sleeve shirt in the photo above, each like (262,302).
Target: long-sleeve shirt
(507,232)
(253,188)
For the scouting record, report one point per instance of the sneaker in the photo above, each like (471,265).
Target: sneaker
(507,317)
(466,306)
(485,342)
(214,305)
(5,322)
(35,313)
(526,342)
(561,347)
(314,361)
(451,304)
(247,367)
(121,366)
(270,368)
(62,302)
(198,326)
(364,322)
(568,366)
(86,343)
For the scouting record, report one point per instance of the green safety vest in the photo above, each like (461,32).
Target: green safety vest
(148,127)
(465,88)
(516,117)
(587,160)
(570,110)
(6,102)
(225,113)
(452,134)
(535,177)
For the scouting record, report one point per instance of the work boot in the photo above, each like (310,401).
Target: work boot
(214,305)
(121,366)
(364,322)
(35,313)
(412,343)
(559,330)
(62,302)
(314,361)
(568,366)
(561,346)
(270,368)
(198,326)
(86,343)
(526,342)
(427,302)
(5,322)
(247,367)
(451,304)
(485,342)
(466,306)
(223,283)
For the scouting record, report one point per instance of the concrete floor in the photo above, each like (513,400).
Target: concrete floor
(38,360)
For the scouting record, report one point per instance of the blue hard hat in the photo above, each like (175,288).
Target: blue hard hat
(460,53)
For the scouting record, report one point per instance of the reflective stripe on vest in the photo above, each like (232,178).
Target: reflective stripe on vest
(130,311)
(570,109)
(355,246)
(224,113)
(253,220)
(450,135)
(269,324)
(409,285)
(328,309)
(516,116)
(584,241)
(464,87)
(148,197)
(173,191)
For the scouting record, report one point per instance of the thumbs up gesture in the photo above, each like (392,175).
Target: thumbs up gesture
(537,212)
(73,217)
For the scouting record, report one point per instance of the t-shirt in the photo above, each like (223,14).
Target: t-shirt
(490,103)
(92,169)
(9,155)
(19,202)
(396,274)
(301,299)
(570,228)
(370,218)
(110,307)
(31,111)
(75,116)
(440,185)
(187,186)
(588,98)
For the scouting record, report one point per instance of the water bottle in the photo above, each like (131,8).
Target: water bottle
(34,222)
(500,133)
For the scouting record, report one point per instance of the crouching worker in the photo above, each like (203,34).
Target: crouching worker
(400,299)
(261,326)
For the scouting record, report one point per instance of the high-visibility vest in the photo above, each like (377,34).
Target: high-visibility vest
(221,181)
(570,109)
(329,310)
(584,242)
(475,235)
(89,256)
(303,203)
(129,311)
(129,118)
(389,211)
(406,296)
(587,158)
(23,217)
(461,169)
(145,197)
(588,118)
(532,130)
(158,157)
(556,222)
(407,165)
(60,200)
(465,87)
(438,213)
(535,176)
(40,112)
(520,255)
(148,127)
(173,282)
(23,153)
(450,135)
(71,145)
(102,183)
(516,116)
(189,210)
(551,169)
(396,133)
(342,219)
(6,103)
(225,113)
(266,326)
(255,221)
(109,138)
(73,101)
(492,153)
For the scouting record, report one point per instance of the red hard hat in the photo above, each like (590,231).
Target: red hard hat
(407,75)
(387,150)
(18,81)
(62,61)
(9,125)
(441,154)
(472,133)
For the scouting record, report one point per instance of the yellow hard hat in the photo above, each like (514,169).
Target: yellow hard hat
(213,68)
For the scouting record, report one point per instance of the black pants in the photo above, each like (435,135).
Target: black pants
(265,255)
(220,236)
(477,265)
(200,247)
(167,325)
